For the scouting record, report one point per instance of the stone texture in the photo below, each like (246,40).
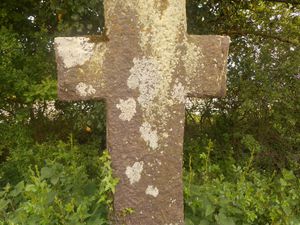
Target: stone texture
(144,68)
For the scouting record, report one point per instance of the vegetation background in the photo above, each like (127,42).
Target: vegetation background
(241,152)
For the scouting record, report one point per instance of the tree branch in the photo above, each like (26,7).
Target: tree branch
(293,2)
(267,36)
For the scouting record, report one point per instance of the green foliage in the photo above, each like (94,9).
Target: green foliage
(70,187)
(263,82)
(247,197)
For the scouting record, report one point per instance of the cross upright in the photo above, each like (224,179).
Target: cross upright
(144,68)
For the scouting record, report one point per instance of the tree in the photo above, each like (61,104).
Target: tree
(263,86)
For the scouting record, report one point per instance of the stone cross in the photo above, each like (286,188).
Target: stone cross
(144,68)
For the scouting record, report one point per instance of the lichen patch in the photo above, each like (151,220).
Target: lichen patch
(165,135)
(127,108)
(146,76)
(149,135)
(192,60)
(133,173)
(85,90)
(153,191)
(74,51)
(179,93)
(161,24)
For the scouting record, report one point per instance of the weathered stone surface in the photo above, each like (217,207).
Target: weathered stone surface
(144,69)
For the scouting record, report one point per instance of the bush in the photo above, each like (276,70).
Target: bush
(247,197)
(72,187)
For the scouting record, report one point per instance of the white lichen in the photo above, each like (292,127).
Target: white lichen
(192,61)
(127,108)
(165,135)
(133,173)
(153,191)
(179,93)
(149,135)
(160,30)
(74,51)
(158,162)
(85,90)
(172,201)
(161,25)
(146,76)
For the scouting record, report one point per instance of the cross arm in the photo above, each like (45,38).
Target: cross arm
(80,67)
(206,65)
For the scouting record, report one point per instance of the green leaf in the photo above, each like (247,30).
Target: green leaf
(188,221)
(47,172)
(54,179)
(3,205)
(18,189)
(209,209)
(204,222)
(288,175)
(222,219)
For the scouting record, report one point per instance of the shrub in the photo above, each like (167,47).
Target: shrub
(63,191)
(247,197)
